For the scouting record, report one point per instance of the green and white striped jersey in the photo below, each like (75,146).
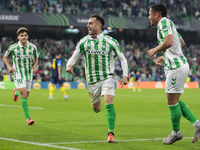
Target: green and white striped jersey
(22,59)
(173,56)
(98,54)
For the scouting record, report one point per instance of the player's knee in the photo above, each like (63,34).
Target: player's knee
(96,110)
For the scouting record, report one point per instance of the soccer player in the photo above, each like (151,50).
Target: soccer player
(176,70)
(56,76)
(137,78)
(98,50)
(24,55)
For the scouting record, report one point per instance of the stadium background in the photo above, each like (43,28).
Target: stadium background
(59,25)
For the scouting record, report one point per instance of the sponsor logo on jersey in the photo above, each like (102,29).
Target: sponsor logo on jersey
(95,52)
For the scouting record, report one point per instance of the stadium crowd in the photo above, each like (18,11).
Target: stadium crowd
(135,52)
(183,9)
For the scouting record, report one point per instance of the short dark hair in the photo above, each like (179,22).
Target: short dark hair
(58,53)
(100,19)
(160,8)
(21,30)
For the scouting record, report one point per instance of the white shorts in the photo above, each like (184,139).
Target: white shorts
(175,79)
(101,88)
(21,83)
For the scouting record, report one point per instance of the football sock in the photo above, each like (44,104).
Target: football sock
(134,88)
(175,115)
(110,117)
(63,90)
(17,93)
(95,110)
(186,112)
(25,107)
(51,90)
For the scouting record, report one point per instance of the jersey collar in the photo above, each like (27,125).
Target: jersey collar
(99,36)
(22,46)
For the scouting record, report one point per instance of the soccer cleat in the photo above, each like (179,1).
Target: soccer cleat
(139,91)
(15,97)
(173,138)
(133,90)
(30,121)
(66,96)
(196,131)
(50,97)
(110,137)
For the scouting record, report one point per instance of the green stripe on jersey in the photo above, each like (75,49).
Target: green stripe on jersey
(90,62)
(164,24)
(24,51)
(25,69)
(30,50)
(18,50)
(29,62)
(20,68)
(176,62)
(184,61)
(96,60)
(104,59)
(160,34)
(34,53)
(170,64)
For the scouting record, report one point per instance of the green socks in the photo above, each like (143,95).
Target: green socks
(175,115)
(186,112)
(110,117)
(25,107)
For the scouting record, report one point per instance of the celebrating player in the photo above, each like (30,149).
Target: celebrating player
(98,50)
(176,70)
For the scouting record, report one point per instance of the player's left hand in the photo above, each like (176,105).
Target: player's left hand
(59,77)
(34,69)
(151,52)
(123,81)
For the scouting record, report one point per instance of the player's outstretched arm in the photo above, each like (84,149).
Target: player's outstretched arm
(6,61)
(35,65)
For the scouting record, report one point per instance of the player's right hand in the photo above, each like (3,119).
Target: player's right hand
(11,69)
(70,69)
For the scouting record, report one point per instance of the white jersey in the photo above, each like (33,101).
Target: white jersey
(22,59)
(98,54)
(173,56)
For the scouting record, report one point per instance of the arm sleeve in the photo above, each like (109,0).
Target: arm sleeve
(166,27)
(59,62)
(9,52)
(35,52)
(122,58)
(75,56)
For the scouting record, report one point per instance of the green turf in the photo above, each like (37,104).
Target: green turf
(140,115)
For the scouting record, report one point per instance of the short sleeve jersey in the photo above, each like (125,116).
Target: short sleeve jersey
(173,56)
(23,59)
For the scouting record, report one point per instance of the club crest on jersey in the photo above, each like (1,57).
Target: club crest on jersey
(104,46)
(95,52)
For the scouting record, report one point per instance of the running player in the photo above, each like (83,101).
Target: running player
(176,70)
(98,50)
(24,54)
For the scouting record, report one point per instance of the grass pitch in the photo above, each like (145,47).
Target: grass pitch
(142,121)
